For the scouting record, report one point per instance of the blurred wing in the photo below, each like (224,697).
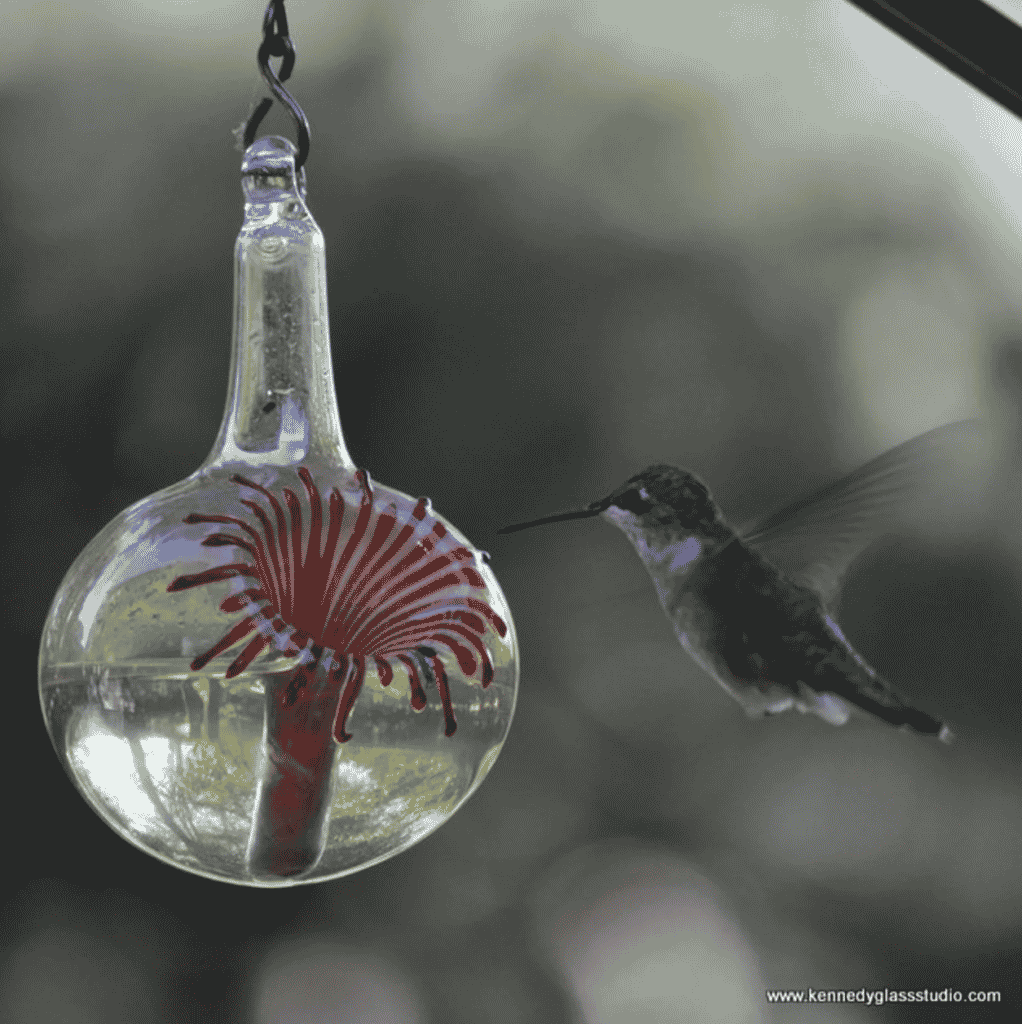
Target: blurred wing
(814,540)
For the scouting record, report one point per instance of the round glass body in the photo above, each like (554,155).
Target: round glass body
(278,676)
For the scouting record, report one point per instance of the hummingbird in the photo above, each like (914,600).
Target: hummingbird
(752,606)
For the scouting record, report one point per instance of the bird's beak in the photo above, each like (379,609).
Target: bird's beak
(583,513)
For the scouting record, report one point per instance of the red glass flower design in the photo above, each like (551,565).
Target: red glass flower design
(395,586)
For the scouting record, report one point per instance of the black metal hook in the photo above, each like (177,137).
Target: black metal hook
(277,43)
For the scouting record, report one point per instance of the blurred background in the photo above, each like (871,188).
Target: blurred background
(764,241)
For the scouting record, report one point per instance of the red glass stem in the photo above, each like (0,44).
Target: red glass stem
(289,825)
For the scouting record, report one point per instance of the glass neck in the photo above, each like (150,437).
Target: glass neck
(281,403)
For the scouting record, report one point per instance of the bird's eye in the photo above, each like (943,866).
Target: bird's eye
(632,501)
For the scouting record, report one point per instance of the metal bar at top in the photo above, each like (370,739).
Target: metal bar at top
(968,37)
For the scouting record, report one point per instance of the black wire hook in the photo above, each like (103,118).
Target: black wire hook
(277,43)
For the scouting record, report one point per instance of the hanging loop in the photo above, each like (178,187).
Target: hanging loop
(277,43)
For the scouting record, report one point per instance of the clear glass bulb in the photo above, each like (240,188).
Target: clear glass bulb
(277,670)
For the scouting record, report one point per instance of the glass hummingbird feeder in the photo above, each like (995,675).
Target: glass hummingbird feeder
(278,671)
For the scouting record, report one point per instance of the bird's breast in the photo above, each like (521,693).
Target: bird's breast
(668,562)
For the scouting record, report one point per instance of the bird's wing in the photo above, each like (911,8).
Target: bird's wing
(815,539)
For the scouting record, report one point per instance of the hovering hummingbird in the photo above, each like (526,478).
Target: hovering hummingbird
(751,606)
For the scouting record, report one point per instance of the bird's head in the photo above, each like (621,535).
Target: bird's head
(661,502)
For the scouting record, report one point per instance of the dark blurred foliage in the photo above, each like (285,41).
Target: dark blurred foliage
(640,852)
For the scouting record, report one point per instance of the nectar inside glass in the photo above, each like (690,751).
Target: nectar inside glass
(278,670)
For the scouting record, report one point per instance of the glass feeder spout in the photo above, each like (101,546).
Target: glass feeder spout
(281,402)
(277,670)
